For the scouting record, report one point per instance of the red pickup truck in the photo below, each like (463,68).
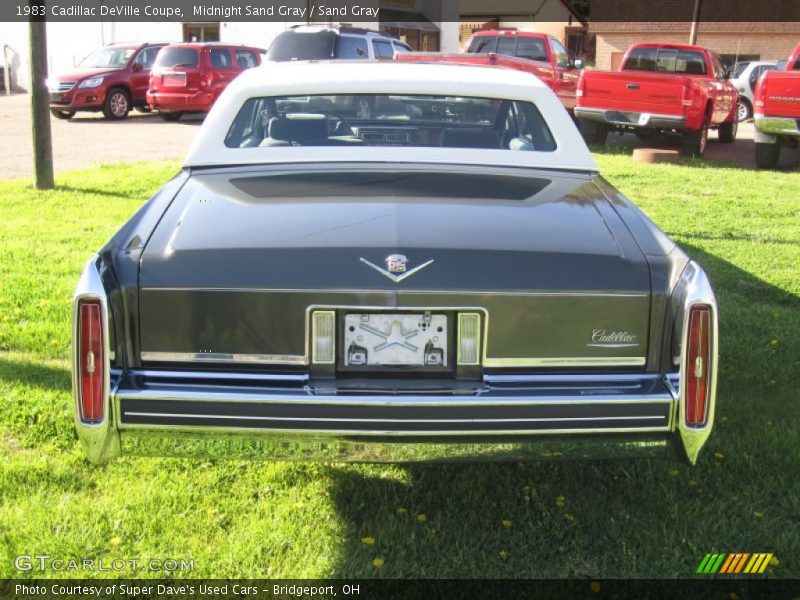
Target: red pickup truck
(777,111)
(660,87)
(536,53)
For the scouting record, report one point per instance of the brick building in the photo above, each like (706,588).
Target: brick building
(750,40)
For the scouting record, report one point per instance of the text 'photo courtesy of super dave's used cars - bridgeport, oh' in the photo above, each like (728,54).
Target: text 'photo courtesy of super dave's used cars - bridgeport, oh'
(385,261)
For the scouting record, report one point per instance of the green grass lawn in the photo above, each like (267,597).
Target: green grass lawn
(265,519)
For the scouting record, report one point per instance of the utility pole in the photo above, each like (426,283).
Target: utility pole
(695,19)
(40,104)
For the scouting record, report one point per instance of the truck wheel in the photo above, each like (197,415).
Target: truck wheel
(694,142)
(62,114)
(117,104)
(592,132)
(727,131)
(171,117)
(767,154)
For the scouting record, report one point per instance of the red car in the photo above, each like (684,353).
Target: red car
(112,79)
(660,87)
(188,78)
(777,111)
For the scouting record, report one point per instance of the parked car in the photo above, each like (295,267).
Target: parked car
(112,79)
(660,87)
(392,263)
(316,42)
(554,65)
(189,77)
(777,111)
(744,78)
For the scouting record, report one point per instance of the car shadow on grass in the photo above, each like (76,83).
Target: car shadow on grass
(643,518)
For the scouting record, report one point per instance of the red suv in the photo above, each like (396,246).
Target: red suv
(190,77)
(112,79)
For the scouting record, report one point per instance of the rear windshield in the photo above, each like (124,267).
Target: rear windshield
(669,60)
(390,120)
(739,68)
(302,45)
(174,57)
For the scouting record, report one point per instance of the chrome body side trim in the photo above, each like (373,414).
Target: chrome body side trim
(224,358)
(100,439)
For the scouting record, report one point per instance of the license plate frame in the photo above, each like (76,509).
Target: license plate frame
(417,340)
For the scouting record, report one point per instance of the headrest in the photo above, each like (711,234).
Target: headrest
(469,138)
(299,127)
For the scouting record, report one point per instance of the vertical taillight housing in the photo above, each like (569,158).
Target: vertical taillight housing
(759,96)
(698,342)
(90,360)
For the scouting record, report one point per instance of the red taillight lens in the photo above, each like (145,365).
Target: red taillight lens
(759,96)
(91,361)
(698,365)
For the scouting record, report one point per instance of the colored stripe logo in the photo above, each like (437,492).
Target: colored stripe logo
(732,563)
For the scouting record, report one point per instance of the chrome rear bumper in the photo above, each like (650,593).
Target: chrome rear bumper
(286,416)
(631,119)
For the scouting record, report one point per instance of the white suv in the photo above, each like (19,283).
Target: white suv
(745,76)
(308,42)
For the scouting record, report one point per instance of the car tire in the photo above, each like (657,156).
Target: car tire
(171,117)
(767,154)
(592,132)
(117,104)
(743,110)
(727,131)
(62,114)
(694,142)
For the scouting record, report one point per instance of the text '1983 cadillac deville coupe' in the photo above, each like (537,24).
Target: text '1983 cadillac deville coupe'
(392,262)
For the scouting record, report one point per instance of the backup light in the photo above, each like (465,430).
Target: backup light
(323,337)
(91,361)
(698,365)
(469,338)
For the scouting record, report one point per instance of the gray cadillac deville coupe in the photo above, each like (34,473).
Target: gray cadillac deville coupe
(392,262)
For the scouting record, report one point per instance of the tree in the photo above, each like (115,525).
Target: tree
(40,105)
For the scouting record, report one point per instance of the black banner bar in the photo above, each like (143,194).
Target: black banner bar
(425,589)
(782,15)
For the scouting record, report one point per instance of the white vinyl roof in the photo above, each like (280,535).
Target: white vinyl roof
(387,77)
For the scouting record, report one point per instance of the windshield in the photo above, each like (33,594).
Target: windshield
(172,57)
(108,58)
(302,45)
(390,120)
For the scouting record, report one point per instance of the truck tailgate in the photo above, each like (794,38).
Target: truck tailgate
(781,94)
(633,91)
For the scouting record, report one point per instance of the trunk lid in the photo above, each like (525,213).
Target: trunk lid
(239,257)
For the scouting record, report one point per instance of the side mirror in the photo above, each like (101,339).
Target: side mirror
(137,66)
(577,63)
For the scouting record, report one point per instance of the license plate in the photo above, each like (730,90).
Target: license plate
(177,79)
(397,339)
